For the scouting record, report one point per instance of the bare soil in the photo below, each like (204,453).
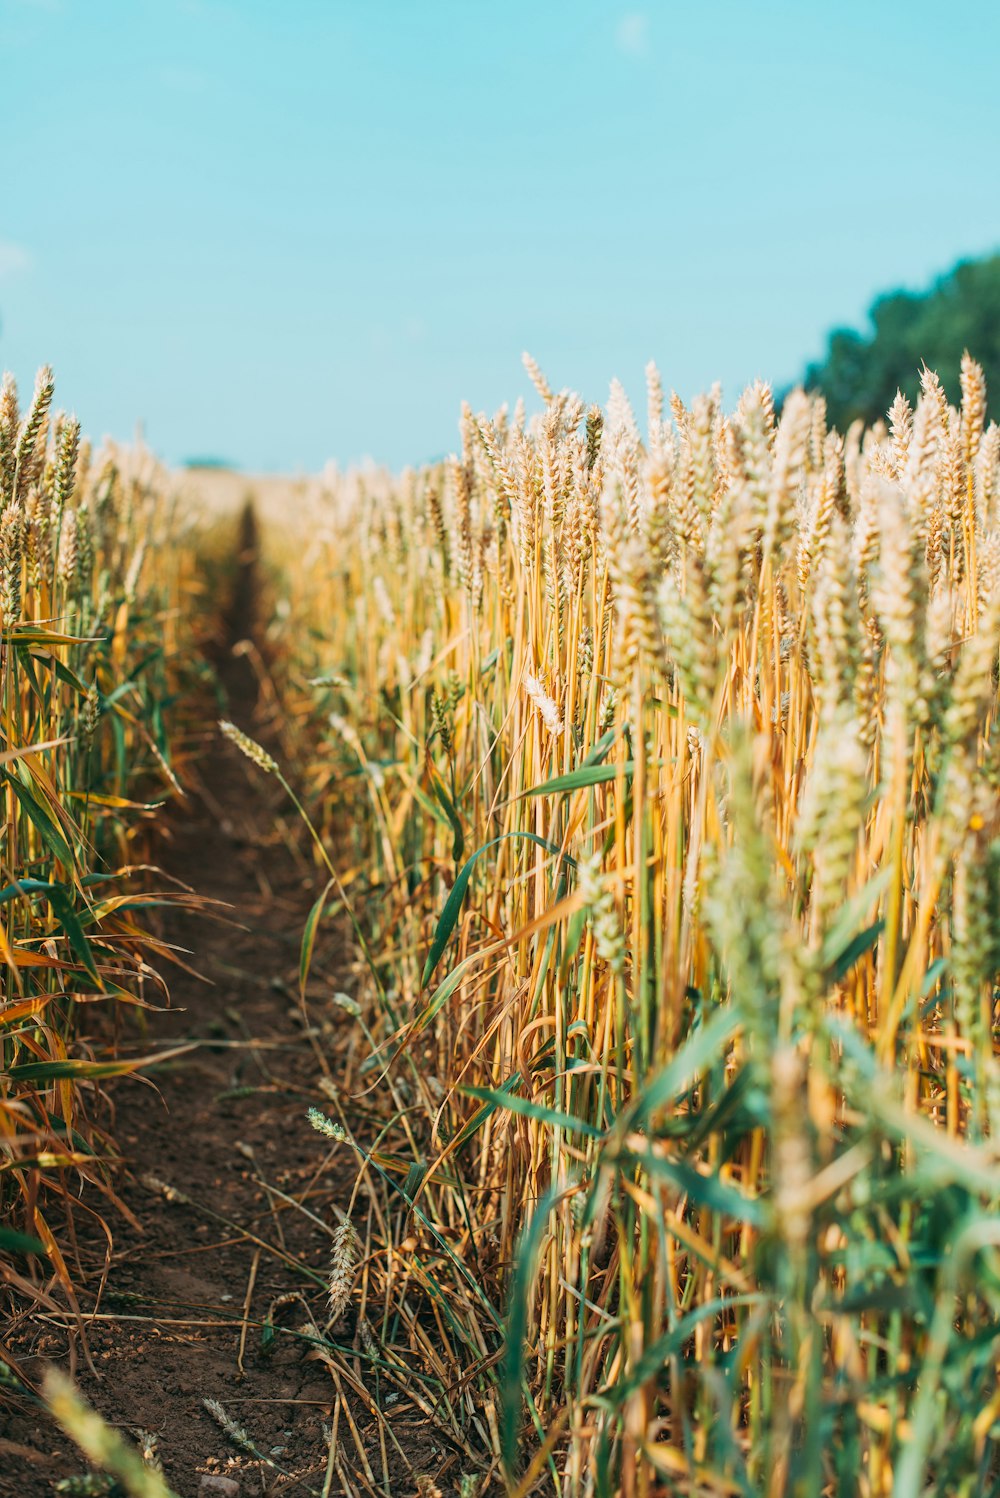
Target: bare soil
(225,1126)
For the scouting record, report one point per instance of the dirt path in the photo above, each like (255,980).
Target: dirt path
(228,1131)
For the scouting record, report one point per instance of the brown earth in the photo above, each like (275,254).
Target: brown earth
(226,1127)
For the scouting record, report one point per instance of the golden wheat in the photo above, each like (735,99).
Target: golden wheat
(713,1012)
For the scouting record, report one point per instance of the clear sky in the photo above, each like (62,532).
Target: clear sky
(282,231)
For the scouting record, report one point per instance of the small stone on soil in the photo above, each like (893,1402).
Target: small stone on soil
(221,1487)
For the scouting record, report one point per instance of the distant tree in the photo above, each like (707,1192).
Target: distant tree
(208,462)
(862,372)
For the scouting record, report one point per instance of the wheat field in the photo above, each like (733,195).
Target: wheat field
(650,766)
(96,590)
(661,772)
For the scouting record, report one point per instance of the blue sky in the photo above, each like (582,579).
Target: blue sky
(282,231)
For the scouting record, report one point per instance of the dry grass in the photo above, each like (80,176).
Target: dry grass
(660,774)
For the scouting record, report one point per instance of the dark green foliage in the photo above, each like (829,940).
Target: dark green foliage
(861,372)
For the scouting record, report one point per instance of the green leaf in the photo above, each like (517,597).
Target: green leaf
(33,634)
(473,1124)
(512,1362)
(862,943)
(309,936)
(448,918)
(703,1191)
(450,811)
(884,1298)
(934,973)
(537,1111)
(52,835)
(858,907)
(415,1176)
(699,1051)
(444,991)
(741,1101)
(52,1071)
(59,898)
(601,748)
(659,1352)
(74,932)
(13,1242)
(576,780)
